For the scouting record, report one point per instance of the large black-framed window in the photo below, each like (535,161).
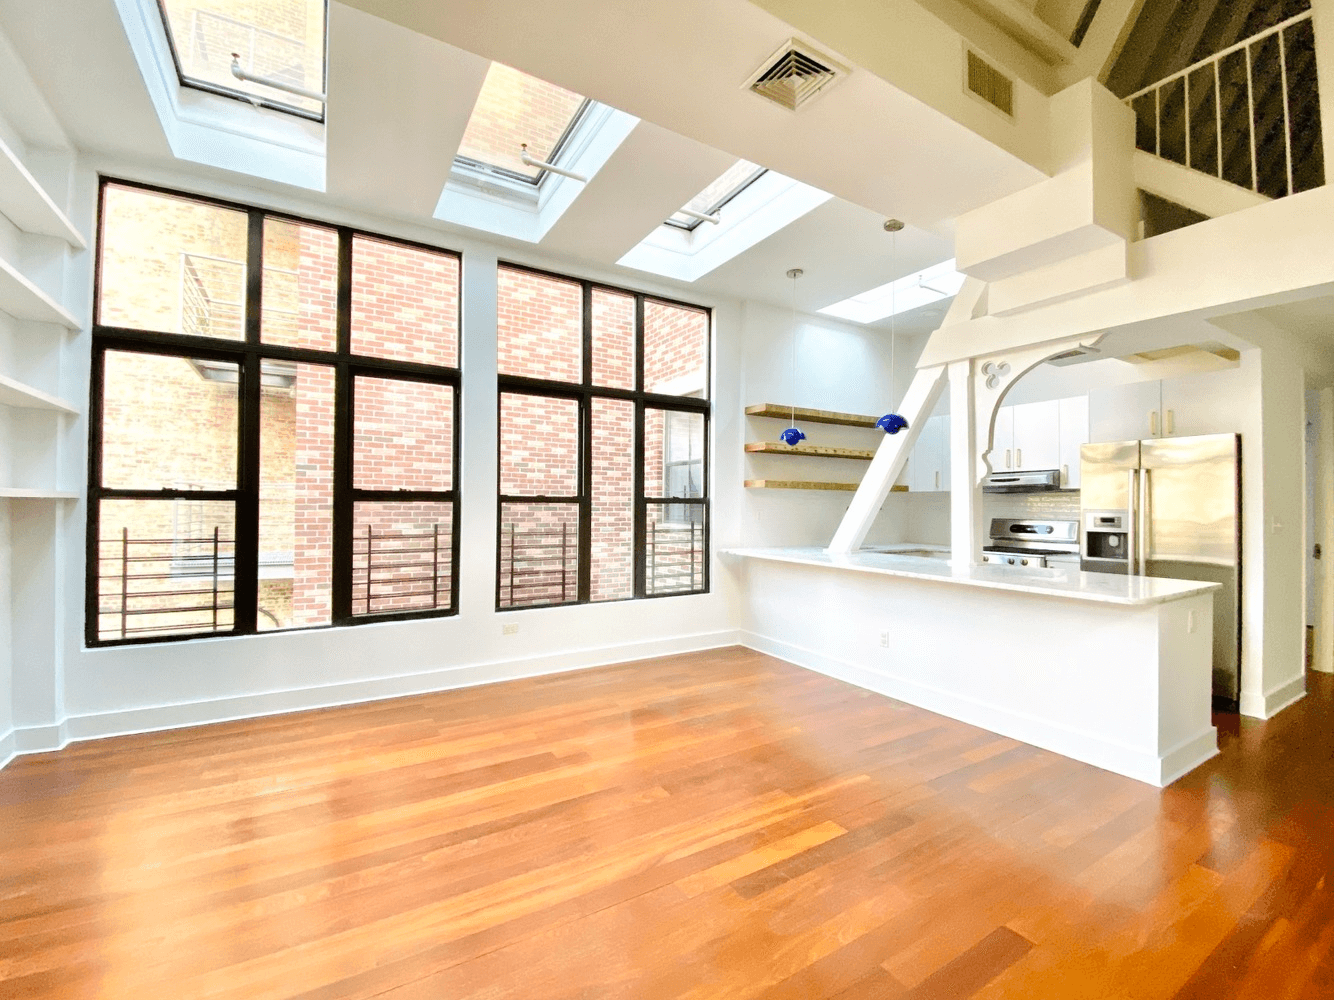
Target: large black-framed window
(274,418)
(603,416)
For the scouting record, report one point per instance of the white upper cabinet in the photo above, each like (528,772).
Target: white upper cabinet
(930,464)
(1074,414)
(1002,441)
(1203,404)
(1125,412)
(1037,435)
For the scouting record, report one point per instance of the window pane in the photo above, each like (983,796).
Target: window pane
(514,108)
(404,433)
(168,423)
(613,339)
(676,350)
(172,265)
(281,39)
(539,326)
(296,496)
(539,446)
(732,182)
(401,557)
(300,286)
(539,554)
(164,567)
(405,303)
(613,500)
(674,549)
(673,454)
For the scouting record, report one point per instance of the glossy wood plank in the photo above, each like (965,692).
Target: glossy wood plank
(711,825)
(781,412)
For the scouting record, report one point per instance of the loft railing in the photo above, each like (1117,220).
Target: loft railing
(1248,114)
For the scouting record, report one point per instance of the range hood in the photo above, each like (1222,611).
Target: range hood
(1022,482)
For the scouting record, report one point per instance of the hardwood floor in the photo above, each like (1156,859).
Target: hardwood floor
(702,826)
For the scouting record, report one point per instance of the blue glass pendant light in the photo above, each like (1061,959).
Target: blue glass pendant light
(793,436)
(892,423)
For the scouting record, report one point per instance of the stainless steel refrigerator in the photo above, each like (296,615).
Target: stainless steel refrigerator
(1171,507)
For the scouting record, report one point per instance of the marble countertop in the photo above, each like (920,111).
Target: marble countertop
(1060,582)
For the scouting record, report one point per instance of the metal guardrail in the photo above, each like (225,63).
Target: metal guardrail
(399,570)
(1144,108)
(165,584)
(538,567)
(675,558)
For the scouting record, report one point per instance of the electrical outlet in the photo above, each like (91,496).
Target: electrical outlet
(509,628)
(884,640)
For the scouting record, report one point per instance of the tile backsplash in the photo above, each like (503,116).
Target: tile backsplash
(1058,505)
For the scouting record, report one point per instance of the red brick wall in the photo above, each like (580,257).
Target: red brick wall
(539,326)
(405,303)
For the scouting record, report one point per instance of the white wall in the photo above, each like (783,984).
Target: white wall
(839,366)
(92,692)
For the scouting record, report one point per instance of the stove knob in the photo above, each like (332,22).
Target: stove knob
(1010,560)
(1023,562)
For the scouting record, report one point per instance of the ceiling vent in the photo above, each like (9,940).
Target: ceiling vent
(990,84)
(794,75)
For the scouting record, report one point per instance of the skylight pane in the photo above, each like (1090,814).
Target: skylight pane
(281,40)
(514,108)
(733,181)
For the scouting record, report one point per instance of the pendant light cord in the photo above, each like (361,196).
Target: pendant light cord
(794,347)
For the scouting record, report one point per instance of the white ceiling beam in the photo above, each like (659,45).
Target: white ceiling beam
(399,103)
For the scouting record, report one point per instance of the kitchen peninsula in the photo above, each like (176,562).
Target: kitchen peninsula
(1114,671)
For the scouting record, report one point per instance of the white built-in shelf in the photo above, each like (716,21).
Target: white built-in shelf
(25,397)
(21,493)
(23,300)
(28,206)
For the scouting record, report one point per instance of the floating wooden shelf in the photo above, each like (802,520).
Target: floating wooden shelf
(27,204)
(23,300)
(25,397)
(779,412)
(814,450)
(798,484)
(20,493)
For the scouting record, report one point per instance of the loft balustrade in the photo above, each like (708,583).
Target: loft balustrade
(1249,114)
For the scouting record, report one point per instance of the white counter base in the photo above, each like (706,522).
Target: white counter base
(1124,685)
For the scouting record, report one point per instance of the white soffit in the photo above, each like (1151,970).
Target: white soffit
(921,288)
(504,209)
(220,131)
(766,206)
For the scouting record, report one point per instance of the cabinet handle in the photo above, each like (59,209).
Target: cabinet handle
(1007,459)
(1018,457)
(937,479)
(1153,423)
(1171,422)
(1065,475)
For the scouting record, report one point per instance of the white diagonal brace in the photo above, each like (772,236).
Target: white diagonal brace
(889,460)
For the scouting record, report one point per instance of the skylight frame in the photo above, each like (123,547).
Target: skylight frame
(692,224)
(513,176)
(240,95)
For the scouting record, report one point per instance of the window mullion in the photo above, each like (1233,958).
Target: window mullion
(341,584)
(245,581)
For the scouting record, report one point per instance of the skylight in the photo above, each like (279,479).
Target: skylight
(912,291)
(282,40)
(734,180)
(515,108)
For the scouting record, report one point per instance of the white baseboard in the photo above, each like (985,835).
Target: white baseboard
(199,713)
(1118,758)
(1265,706)
(8,750)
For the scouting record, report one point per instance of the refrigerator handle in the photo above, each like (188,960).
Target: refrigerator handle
(1145,520)
(1132,536)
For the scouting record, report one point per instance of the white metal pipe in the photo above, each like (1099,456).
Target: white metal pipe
(529,161)
(265,81)
(715,218)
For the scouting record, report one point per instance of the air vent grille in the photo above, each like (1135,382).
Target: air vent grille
(990,84)
(794,75)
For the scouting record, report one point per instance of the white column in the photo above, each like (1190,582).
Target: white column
(889,459)
(966,492)
(1324,532)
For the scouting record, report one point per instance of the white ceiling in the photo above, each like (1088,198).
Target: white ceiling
(404,75)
